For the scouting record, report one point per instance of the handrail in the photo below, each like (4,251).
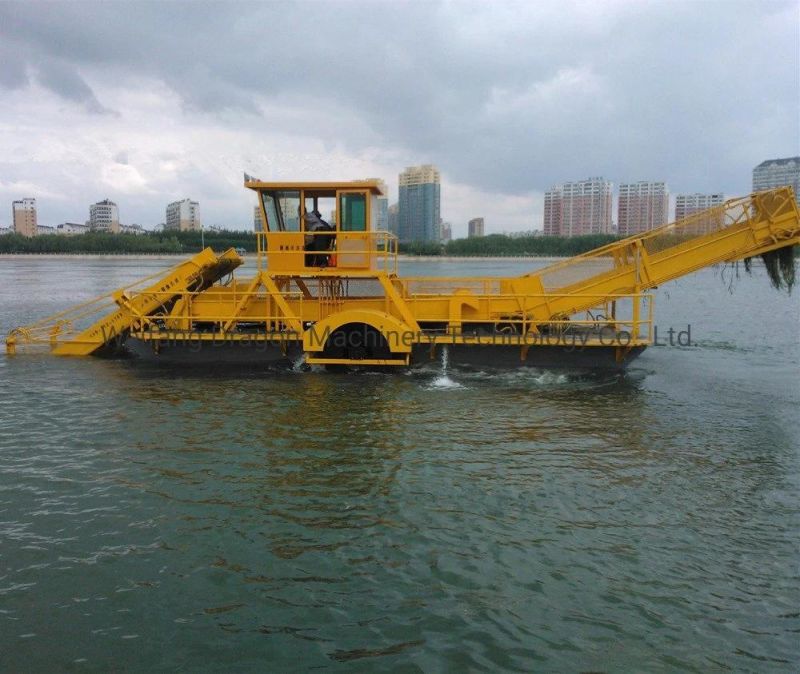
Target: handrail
(377,246)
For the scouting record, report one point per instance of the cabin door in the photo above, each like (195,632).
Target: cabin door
(353,248)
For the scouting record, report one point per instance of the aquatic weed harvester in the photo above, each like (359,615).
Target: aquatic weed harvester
(331,293)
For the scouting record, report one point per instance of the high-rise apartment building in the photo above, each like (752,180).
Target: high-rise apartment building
(475,227)
(418,217)
(380,207)
(778,173)
(394,211)
(577,208)
(447,232)
(382,214)
(258,220)
(24,217)
(104,217)
(183,215)
(641,207)
(552,211)
(687,204)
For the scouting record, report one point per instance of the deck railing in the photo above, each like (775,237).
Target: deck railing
(300,252)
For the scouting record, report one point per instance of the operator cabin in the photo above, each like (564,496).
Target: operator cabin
(297,238)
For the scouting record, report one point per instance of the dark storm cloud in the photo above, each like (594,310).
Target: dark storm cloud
(508,97)
(65,81)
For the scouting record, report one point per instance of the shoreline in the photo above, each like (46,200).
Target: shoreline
(473,258)
(247,256)
(98,256)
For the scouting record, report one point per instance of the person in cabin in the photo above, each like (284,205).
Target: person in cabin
(315,241)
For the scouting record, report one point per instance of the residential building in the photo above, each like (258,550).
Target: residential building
(552,211)
(642,206)
(475,227)
(183,215)
(45,229)
(24,217)
(419,205)
(686,205)
(258,219)
(72,228)
(104,217)
(382,213)
(578,208)
(380,206)
(447,232)
(6,230)
(132,229)
(522,234)
(778,173)
(393,217)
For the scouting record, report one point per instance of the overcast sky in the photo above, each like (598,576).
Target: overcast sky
(145,103)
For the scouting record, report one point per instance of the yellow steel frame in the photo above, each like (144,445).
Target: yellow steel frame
(62,333)
(289,301)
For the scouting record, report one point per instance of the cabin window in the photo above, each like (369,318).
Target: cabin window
(352,212)
(325,205)
(273,223)
(289,205)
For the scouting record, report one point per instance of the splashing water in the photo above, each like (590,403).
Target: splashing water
(443,381)
(299,364)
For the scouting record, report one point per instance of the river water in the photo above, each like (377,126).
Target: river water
(162,520)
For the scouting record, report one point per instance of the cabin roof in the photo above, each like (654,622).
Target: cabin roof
(374,186)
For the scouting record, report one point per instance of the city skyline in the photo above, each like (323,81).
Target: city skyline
(94,114)
(651,200)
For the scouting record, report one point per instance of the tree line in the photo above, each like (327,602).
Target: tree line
(173,242)
(123,244)
(511,246)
